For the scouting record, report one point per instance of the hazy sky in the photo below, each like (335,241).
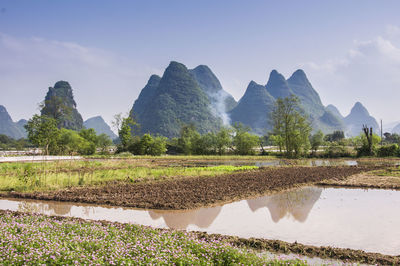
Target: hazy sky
(107,50)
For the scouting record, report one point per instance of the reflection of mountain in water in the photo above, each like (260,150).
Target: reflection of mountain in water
(203,218)
(38,207)
(296,203)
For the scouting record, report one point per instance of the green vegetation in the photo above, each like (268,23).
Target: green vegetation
(57,175)
(291,127)
(7,143)
(39,239)
(43,132)
(172,101)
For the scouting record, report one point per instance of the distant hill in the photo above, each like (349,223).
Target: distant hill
(254,112)
(253,108)
(100,126)
(165,104)
(8,127)
(396,129)
(358,117)
(59,104)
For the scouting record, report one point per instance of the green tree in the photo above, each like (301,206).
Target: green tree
(243,141)
(71,142)
(127,128)
(223,140)
(43,132)
(103,142)
(187,139)
(89,135)
(316,141)
(291,125)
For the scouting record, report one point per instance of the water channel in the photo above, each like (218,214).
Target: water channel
(348,218)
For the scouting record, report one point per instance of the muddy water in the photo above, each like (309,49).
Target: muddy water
(348,218)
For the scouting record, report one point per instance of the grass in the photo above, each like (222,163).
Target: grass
(392,171)
(24,177)
(38,239)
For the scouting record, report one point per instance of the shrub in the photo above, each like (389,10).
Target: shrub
(388,150)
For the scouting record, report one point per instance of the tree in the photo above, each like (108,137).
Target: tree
(223,140)
(291,125)
(335,136)
(103,142)
(243,141)
(316,140)
(187,139)
(89,134)
(43,132)
(126,127)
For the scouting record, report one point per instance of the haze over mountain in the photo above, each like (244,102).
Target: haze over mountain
(358,117)
(396,129)
(8,127)
(177,98)
(59,104)
(333,109)
(100,126)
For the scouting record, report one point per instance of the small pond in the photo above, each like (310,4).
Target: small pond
(349,218)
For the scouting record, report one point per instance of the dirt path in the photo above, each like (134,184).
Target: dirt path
(195,192)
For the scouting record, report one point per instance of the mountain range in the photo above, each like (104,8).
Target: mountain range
(195,96)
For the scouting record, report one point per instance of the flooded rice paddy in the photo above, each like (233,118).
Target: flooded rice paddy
(368,220)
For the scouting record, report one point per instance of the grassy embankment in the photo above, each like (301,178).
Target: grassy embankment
(39,239)
(34,176)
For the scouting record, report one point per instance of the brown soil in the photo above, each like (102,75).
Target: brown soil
(277,246)
(195,192)
(365,181)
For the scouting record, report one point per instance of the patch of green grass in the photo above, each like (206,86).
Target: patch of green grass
(393,171)
(30,177)
(38,239)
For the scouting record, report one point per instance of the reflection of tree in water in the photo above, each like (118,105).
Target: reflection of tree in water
(46,208)
(296,203)
(203,218)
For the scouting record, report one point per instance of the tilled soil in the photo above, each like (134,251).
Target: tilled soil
(195,192)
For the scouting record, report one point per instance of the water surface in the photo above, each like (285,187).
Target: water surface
(348,218)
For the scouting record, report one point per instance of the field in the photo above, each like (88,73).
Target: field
(167,183)
(39,239)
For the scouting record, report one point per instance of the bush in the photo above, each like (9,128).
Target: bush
(388,150)
(335,150)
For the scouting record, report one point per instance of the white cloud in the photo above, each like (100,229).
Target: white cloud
(103,83)
(368,72)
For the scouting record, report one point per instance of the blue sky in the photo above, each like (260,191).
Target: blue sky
(107,50)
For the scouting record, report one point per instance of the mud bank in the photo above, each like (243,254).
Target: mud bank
(195,192)
(365,181)
(277,246)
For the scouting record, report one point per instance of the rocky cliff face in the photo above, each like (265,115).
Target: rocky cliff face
(100,126)
(59,104)
(8,127)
